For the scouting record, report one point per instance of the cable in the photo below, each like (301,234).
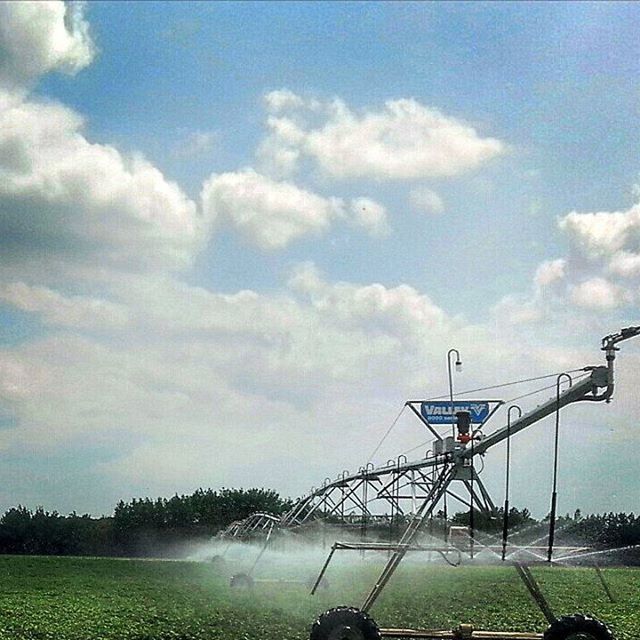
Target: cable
(422,444)
(525,395)
(386,435)
(506,384)
(551,386)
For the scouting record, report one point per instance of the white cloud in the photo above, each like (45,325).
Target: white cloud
(379,307)
(269,352)
(515,309)
(86,202)
(426,201)
(370,215)
(195,371)
(56,309)
(279,153)
(598,274)
(67,204)
(603,233)
(548,291)
(549,272)
(38,37)
(195,144)
(195,374)
(606,256)
(189,363)
(598,293)
(269,213)
(625,264)
(403,140)
(610,240)
(281,99)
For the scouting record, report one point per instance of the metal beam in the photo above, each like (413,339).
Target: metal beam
(579,391)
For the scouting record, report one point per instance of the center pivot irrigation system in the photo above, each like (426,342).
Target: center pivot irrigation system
(412,490)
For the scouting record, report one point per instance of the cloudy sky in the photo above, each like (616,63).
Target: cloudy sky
(235,238)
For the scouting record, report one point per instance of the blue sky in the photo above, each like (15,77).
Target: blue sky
(547,78)
(235,232)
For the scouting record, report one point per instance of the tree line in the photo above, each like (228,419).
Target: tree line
(141,527)
(601,532)
(160,527)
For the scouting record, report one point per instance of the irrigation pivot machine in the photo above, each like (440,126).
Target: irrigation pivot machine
(412,491)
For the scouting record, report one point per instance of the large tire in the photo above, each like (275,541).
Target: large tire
(218,562)
(241,581)
(578,627)
(345,623)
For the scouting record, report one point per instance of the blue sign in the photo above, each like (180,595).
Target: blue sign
(442,412)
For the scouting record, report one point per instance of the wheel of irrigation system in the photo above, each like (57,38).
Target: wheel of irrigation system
(578,627)
(345,623)
(218,562)
(241,581)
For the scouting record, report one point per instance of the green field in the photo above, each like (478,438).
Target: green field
(82,599)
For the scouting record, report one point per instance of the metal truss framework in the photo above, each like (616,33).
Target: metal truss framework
(396,492)
(412,490)
(256,524)
(391,494)
(402,488)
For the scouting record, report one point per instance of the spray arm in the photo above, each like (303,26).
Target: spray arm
(609,342)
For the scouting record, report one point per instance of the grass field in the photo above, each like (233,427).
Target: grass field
(87,599)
